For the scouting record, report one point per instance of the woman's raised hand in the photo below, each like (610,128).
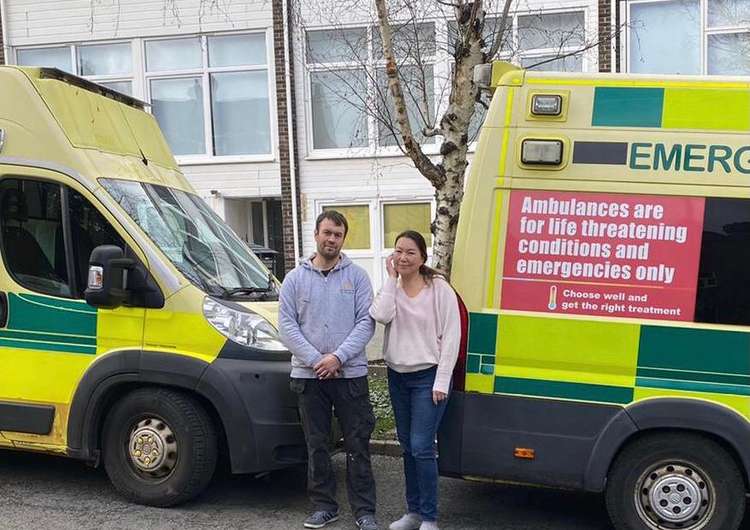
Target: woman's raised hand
(390,266)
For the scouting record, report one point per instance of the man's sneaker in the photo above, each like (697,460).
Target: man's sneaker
(320,519)
(410,521)
(367,522)
(428,525)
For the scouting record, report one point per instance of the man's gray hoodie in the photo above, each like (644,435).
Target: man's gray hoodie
(320,315)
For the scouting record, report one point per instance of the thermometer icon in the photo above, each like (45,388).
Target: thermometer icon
(552,305)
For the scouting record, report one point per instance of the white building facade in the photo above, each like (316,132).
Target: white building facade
(349,161)
(215,74)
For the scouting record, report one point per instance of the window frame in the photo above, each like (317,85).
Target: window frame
(704,31)
(112,77)
(372,66)
(540,53)
(204,73)
(75,60)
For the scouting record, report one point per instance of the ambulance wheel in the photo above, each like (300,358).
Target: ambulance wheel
(159,447)
(675,481)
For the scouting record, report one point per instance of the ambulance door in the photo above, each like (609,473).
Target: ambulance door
(49,335)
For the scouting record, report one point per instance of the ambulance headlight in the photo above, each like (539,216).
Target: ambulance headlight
(546,104)
(244,327)
(542,152)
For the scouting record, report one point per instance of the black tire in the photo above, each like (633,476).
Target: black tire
(173,427)
(679,475)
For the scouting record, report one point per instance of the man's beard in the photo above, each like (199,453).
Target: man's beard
(328,252)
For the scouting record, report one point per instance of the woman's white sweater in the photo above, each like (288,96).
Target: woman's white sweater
(421,332)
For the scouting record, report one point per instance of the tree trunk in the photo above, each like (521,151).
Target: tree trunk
(447,204)
(454,150)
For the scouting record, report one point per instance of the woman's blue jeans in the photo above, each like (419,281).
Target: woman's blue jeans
(417,422)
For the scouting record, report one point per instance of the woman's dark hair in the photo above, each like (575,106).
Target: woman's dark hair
(428,273)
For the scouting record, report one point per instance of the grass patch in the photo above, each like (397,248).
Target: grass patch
(385,425)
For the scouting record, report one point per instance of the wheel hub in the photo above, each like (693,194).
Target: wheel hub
(152,447)
(675,496)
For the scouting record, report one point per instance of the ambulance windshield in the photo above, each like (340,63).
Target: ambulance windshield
(195,240)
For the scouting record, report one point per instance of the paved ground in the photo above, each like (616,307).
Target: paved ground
(46,493)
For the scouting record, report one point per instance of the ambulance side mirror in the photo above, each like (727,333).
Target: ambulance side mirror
(108,277)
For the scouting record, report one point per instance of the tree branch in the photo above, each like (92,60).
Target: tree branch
(584,48)
(429,132)
(432,172)
(500,35)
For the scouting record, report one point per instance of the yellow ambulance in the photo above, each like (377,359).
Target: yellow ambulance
(601,252)
(136,330)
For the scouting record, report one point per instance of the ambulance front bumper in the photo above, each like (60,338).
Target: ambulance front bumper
(257,409)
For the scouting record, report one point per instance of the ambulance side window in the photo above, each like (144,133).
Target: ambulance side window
(88,229)
(724,274)
(31,228)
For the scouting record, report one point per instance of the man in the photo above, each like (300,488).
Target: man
(325,323)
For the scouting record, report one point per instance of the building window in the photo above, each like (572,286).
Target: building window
(350,102)
(210,94)
(108,64)
(406,216)
(358,218)
(178,106)
(545,40)
(59,58)
(653,50)
(717,43)
(338,119)
(417,80)
(105,59)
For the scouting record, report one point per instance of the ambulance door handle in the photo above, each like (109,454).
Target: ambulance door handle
(3,310)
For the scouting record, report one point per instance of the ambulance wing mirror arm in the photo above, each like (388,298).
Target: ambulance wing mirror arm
(108,277)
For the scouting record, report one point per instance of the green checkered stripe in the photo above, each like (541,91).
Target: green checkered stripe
(49,324)
(661,360)
(482,343)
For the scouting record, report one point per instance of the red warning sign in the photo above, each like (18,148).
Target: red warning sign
(602,254)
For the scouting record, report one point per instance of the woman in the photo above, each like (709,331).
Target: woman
(423,329)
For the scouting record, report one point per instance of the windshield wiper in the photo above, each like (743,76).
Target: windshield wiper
(247,290)
(270,288)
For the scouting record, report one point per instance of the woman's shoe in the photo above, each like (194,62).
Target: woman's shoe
(410,521)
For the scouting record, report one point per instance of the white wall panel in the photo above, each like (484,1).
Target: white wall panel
(235,180)
(32,22)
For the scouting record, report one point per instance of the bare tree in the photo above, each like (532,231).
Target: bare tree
(397,83)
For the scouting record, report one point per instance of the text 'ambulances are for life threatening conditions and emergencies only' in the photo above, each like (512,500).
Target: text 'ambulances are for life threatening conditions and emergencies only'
(602,254)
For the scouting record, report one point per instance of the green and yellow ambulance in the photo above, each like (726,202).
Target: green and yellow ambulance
(603,252)
(136,330)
